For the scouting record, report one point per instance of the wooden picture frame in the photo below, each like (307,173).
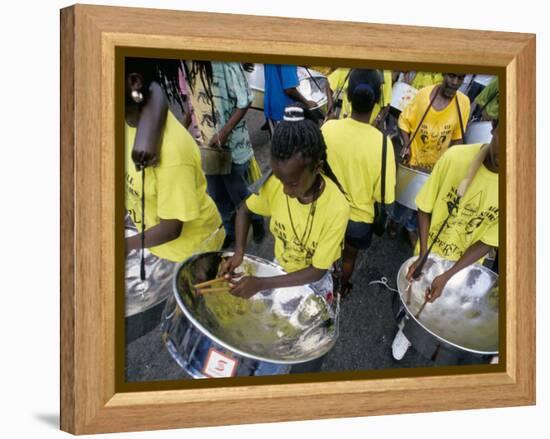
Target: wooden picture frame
(91,396)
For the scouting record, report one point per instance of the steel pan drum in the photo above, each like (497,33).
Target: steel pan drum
(144,295)
(402,95)
(465,316)
(479,132)
(262,335)
(408,183)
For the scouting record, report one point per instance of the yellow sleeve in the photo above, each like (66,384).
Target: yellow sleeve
(387,88)
(329,249)
(336,79)
(427,196)
(464,104)
(259,203)
(490,237)
(177,192)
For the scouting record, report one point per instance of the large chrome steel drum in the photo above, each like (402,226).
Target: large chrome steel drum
(462,322)
(479,132)
(311,86)
(220,335)
(408,183)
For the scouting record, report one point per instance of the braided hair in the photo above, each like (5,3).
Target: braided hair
(299,133)
(202,70)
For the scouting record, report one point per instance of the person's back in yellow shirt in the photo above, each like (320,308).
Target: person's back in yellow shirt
(174,189)
(354,151)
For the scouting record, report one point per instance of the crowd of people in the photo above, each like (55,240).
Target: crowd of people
(331,182)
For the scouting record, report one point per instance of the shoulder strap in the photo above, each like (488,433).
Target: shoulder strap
(255,187)
(423,117)
(460,118)
(383,171)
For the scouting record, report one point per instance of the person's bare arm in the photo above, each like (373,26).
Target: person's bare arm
(424,220)
(145,151)
(163,232)
(247,286)
(470,256)
(242,225)
(220,138)
(293,93)
(406,149)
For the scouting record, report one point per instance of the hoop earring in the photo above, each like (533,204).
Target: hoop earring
(137,96)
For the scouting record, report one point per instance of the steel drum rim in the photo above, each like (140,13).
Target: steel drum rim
(216,339)
(415,171)
(412,316)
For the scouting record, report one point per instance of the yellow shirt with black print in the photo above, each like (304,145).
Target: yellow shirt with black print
(477,213)
(303,237)
(438,128)
(174,189)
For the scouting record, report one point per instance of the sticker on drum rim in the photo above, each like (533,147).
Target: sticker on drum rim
(219,365)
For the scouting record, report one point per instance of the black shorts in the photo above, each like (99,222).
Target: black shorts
(359,235)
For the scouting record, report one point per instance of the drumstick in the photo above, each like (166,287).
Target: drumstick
(417,315)
(209,282)
(409,288)
(213,290)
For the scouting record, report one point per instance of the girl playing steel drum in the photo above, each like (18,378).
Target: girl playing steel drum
(166,197)
(308,211)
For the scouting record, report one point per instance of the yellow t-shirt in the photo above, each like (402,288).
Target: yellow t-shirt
(174,189)
(425,79)
(438,129)
(354,152)
(476,218)
(337,81)
(322,244)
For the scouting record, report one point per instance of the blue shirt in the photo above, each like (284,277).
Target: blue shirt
(278,78)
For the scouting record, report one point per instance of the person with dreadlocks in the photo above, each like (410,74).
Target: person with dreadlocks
(166,195)
(308,211)
(354,150)
(221,97)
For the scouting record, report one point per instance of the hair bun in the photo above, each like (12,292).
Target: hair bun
(363,87)
(294,114)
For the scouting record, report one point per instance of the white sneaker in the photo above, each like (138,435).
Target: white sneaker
(400,345)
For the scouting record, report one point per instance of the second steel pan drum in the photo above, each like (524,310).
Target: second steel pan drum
(479,132)
(465,316)
(408,183)
(141,296)
(261,335)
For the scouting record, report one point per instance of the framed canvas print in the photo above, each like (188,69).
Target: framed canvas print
(294,215)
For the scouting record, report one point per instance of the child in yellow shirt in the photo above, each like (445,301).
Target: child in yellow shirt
(308,212)
(354,149)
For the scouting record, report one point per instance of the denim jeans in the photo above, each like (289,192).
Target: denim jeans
(228,191)
(404,216)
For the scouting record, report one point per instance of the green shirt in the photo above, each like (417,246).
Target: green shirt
(488,98)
